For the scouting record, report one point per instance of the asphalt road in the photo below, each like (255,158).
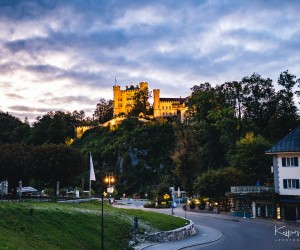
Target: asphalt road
(246,234)
(239,233)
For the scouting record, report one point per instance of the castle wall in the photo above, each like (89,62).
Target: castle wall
(81,129)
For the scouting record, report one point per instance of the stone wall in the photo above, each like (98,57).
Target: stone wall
(177,234)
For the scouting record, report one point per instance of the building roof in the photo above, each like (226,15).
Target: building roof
(289,143)
(181,100)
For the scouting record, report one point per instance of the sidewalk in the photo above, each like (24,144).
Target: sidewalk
(204,235)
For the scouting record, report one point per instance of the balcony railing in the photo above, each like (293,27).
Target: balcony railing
(251,189)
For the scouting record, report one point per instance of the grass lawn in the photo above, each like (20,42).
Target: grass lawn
(74,226)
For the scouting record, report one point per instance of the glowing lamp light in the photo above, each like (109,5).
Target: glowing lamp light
(278,213)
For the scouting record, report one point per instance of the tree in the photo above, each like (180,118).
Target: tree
(258,103)
(140,102)
(250,158)
(12,129)
(215,125)
(38,132)
(215,183)
(51,163)
(232,94)
(46,164)
(54,127)
(78,116)
(285,118)
(15,160)
(57,129)
(103,111)
(186,155)
(224,126)
(203,99)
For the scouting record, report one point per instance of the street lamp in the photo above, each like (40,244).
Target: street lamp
(110,180)
(110,189)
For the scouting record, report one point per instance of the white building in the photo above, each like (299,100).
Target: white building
(286,154)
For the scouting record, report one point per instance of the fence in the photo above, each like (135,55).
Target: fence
(251,189)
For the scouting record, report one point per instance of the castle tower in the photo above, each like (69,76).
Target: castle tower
(116,101)
(143,85)
(156,109)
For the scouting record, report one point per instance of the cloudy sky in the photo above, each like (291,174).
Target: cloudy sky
(66,54)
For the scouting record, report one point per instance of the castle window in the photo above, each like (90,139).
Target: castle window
(162,107)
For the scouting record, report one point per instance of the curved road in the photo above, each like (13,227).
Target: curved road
(240,233)
(246,234)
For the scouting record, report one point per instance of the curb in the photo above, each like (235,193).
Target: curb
(207,242)
(195,240)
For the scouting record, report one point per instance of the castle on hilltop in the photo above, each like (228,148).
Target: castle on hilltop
(162,107)
(123,103)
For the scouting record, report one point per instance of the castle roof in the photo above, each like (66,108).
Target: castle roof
(181,100)
(132,87)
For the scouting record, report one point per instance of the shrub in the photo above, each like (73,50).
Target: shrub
(49,191)
(149,205)
(202,205)
(192,205)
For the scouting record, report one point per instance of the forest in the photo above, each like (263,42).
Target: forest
(221,143)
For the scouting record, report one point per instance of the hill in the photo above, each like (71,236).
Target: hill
(137,153)
(73,226)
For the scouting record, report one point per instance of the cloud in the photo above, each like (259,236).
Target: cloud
(68,100)
(66,54)
(14,96)
(28,109)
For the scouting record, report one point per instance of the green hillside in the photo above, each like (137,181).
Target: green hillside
(137,153)
(73,226)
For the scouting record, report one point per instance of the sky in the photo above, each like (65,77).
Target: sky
(67,54)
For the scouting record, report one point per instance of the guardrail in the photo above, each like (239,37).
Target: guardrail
(251,189)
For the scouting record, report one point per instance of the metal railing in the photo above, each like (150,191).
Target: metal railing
(251,189)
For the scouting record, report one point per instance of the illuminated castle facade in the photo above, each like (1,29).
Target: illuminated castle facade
(123,99)
(162,107)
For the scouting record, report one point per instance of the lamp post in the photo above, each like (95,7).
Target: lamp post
(102,223)
(110,180)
